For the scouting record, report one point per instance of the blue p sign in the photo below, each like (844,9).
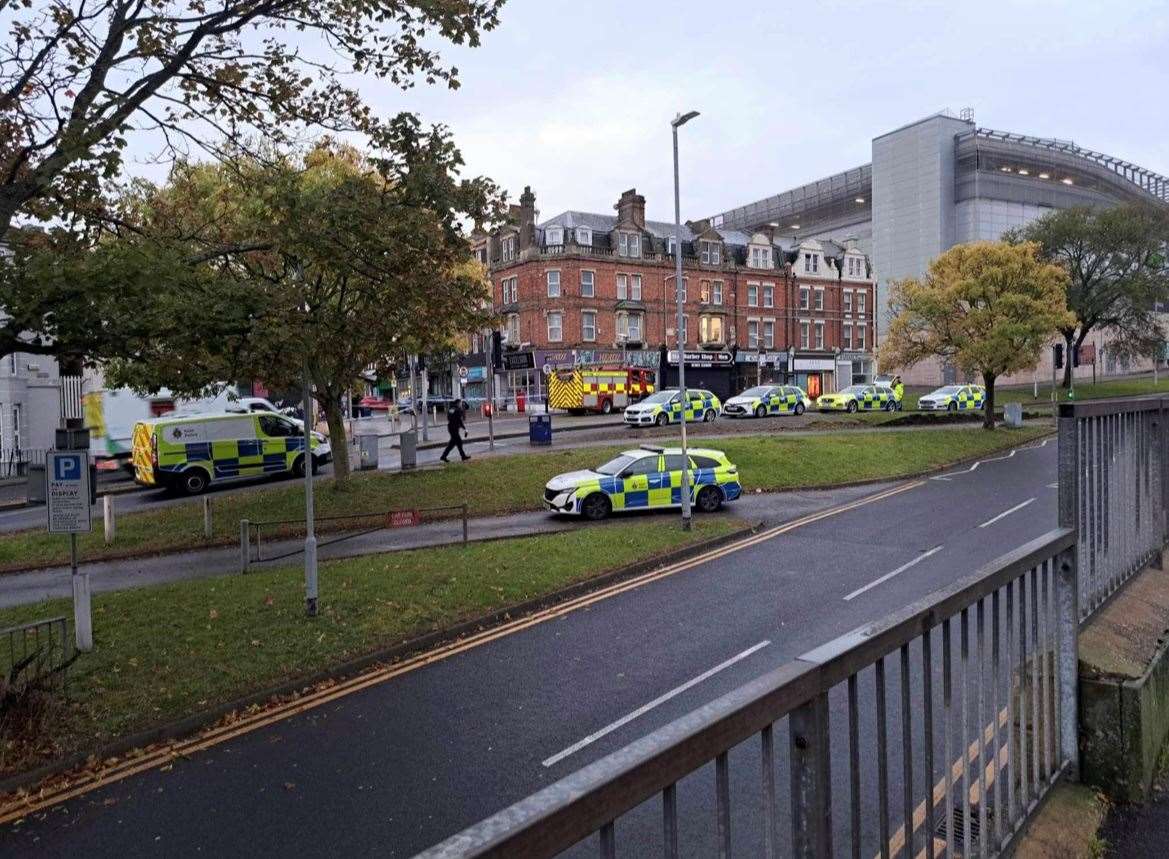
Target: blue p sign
(67,467)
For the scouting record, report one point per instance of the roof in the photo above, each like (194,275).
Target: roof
(658,229)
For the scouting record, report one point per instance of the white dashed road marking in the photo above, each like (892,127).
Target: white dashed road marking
(896,572)
(1006,513)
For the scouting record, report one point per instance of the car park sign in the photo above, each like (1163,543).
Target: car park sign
(67,491)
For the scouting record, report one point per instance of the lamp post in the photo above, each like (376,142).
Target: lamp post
(676,123)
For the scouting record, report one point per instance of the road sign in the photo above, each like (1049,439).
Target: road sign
(463,375)
(547,369)
(67,491)
(402,518)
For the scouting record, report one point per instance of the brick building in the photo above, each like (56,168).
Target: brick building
(798,310)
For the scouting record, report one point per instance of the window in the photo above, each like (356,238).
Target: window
(685,284)
(811,262)
(644,465)
(635,288)
(513,328)
(16,426)
(553,284)
(554,236)
(710,252)
(276,427)
(805,330)
(508,248)
(704,462)
(860,337)
(819,303)
(768,295)
(675,461)
(670,242)
(847,301)
(752,334)
(588,326)
(819,335)
(710,329)
(846,336)
(629,327)
(584,236)
(861,301)
(555,327)
(769,334)
(586,284)
(622,287)
(752,295)
(628,244)
(481,255)
(805,297)
(716,292)
(760,257)
(704,291)
(511,290)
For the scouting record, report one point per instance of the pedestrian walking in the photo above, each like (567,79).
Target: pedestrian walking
(454,424)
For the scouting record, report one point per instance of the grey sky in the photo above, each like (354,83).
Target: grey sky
(575,98)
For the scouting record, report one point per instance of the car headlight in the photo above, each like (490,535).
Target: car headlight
(318,437)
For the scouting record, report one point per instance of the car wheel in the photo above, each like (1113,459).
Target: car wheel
(194,481)
(709,499)
(799,408)
(596,506)
(606,407)
(760,411)
(709,416)
(852,407)
(661,419)
(953,407)
(891,406)
(298,467)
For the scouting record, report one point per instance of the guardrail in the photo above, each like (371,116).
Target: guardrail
(385,518)
(958,771)
(35,652)
(1113,488)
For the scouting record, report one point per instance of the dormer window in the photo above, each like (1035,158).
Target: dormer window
(584,236)
(856,267)
(760,258)
(710,252)
(812,263)
(628,244)
(508,248)
(554,236)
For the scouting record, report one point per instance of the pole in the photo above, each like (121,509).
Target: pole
(425,403)
(310,538)
(680,321)
(490,387)
(82,613)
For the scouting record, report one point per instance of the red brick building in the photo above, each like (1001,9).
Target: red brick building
(582,281)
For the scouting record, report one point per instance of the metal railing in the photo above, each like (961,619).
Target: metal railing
(36,652)
(1113,456)
(922,774)
(15,462)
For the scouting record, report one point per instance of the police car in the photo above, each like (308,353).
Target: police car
(767,400)
(644,478)
(858,398)
(665,407)
(953,398)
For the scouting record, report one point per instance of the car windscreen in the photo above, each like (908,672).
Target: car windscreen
(760,391)
(615,466)
(854,389)
(949,390)
(660,397)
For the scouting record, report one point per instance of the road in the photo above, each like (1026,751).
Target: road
(401,764)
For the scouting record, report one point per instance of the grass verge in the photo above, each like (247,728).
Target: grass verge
(510,484)
(165,652)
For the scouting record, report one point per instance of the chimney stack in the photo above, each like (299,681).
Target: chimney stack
(631,209)
(527,218)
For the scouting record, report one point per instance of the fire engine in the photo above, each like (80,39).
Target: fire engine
(600,390)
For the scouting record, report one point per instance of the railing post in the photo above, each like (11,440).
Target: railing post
(1068,613)
(245,549)
(1068,441)
(811,780)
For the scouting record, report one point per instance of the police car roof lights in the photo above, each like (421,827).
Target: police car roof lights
(652,448)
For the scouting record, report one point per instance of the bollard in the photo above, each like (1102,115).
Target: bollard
(107,511)
(245,549)
(206,518)
(464,523)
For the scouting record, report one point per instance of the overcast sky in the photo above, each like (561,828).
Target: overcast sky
(575,98)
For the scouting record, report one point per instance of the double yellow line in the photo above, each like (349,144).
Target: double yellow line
(15,807)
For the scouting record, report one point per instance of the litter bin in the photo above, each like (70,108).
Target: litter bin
(367,452)
(408,446)
(540,429)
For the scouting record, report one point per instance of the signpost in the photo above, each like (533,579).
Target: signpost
(67,496)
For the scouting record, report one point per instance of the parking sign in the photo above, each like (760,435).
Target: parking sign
(67,491)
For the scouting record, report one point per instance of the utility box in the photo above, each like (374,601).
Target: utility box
(35,493)
(408,448)
(1013,414)
(367,447)
(540,429)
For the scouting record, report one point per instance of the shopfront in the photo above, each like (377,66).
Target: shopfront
(815,372)
(761,368)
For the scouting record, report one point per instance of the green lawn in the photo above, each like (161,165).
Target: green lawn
(506,484)
(167,651)
(1025,394)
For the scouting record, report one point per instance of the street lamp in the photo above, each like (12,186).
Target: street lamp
(676,123)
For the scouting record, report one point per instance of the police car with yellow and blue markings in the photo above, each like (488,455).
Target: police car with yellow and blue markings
(866,398)
(647,477)
(764,400)
(665,407)
(953,398)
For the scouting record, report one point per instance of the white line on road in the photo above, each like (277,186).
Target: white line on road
(1053,485)
(1006,513)
(896,572)
(645,708)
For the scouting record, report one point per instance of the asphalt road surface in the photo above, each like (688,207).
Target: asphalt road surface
(402,764)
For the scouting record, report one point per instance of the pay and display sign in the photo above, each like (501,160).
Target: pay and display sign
(67,491)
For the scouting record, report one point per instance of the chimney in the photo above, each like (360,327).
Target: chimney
(631,209)
(527,218)
(850,243)
(699,227)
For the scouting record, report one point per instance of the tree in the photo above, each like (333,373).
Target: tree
(334,261)
(988,307)
(1117,274)
(77,76)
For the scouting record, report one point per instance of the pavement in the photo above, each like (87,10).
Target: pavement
(403,763)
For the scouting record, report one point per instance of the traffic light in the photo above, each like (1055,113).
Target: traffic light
(496,350)
(1057,352)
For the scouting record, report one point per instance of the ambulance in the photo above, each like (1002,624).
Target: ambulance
(598,390)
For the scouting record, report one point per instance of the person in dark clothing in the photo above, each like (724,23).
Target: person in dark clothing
(454,423)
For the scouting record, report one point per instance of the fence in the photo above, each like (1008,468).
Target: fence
(35,652)
(957,771)
(250,532)
(15,462)
(1113,456)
